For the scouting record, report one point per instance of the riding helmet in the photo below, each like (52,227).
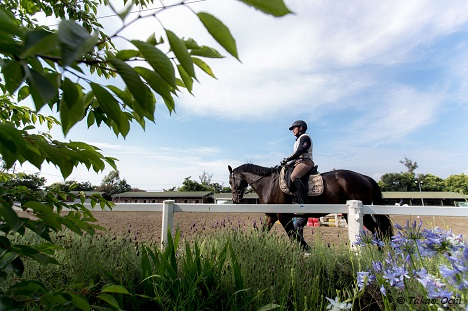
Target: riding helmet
(299,123)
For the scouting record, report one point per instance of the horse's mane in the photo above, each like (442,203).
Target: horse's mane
(254,169)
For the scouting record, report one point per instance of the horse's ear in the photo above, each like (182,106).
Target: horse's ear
(230,169)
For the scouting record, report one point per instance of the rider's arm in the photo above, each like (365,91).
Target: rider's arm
(304,145)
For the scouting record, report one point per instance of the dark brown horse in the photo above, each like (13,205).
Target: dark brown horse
(339,186)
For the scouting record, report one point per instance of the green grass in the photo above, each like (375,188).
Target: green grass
(230,269)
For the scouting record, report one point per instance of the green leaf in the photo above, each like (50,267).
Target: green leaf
(206,51)
(125,12)
(188,81)
(41,89)
(44,212)
(157,83)
(11,141)
(181,52)
(109,299)
(71,105)
(28,288)
(203,66)
(153,41)
(14,75)
(219,32)
(118,289)
(6,258)
(158,60)
(74,41)
(23,93)
(80,303)
(139,90)
(276,8)
(41,41)
(127,54)
(270,306)
(9,215)
(108,104)
(8,24)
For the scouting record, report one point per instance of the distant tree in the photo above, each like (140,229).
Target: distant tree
(112,184)
(431,182)
(457,183)
(137,190)
(410,165)
(71,185)
(31,181)
(397,182)
(404,181)
(205,178)
(192,185)
(226,190)
(205,184)
(22,187)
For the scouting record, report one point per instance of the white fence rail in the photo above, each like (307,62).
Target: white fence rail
(353,208)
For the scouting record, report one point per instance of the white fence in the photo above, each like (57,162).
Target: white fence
(353,208)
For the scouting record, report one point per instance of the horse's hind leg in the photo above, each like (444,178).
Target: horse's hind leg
(287,221)
(270,220)
(380,224)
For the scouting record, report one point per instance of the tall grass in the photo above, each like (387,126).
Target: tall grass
(233,269)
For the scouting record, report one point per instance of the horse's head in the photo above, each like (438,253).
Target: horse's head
(238,185)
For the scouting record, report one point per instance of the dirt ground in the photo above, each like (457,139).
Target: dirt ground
(146,226)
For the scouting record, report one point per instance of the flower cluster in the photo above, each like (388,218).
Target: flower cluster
(337,305)
(410,249)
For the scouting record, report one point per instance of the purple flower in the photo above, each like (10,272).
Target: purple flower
(435,288)
(396,276)
(377,265)
(447,273)
(365,278)
(382,290)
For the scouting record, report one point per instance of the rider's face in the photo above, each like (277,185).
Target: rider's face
(295,130)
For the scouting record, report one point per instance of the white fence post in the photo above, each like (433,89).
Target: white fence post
(355,225)
(167,223)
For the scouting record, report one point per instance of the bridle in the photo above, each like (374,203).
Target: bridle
(242,192)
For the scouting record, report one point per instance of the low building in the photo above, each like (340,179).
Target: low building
(226,198)
(159,197)
(437,198)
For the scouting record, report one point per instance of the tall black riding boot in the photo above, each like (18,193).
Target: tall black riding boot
(300,196)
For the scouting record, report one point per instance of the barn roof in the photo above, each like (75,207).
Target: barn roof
(164,194)
(424,195)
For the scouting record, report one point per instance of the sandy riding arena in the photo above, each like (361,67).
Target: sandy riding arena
(146,226)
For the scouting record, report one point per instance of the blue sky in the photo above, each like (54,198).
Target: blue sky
(377,81)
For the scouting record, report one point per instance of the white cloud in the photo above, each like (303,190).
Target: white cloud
(321,56)
(401,111)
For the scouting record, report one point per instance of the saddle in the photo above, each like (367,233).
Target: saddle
(312,180)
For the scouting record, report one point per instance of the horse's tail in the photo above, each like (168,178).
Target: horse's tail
(383,221)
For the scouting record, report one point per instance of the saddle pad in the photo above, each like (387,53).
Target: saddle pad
(315,185)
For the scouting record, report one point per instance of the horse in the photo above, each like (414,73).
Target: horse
(339,186)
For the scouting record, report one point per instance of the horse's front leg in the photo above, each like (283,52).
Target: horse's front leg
(270,220)
(288,224)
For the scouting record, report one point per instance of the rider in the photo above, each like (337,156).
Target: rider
(303,159)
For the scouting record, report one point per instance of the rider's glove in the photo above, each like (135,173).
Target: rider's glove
(285,160)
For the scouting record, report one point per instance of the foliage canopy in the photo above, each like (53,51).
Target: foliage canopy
(58,68)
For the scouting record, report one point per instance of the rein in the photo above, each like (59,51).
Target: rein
(242,192)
